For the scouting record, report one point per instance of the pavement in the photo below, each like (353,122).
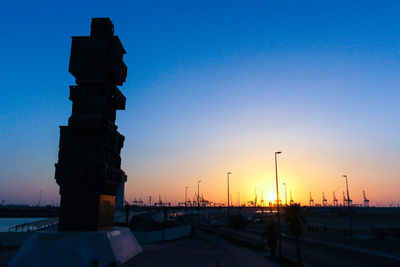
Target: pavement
(329,250)
(6,256)
(203,250)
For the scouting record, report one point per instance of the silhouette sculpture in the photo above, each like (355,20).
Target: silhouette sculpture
(89,163)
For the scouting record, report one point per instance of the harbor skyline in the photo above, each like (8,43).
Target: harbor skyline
(216,88)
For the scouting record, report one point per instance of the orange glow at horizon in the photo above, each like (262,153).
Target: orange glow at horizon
(301,178)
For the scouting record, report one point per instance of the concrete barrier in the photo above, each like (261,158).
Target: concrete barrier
(162,235)
(177,232)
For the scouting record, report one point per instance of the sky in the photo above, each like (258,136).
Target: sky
(215,87)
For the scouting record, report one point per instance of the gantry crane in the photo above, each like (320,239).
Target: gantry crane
(366,201)
(335,200)
(324,201)
(346,201)
(311,201)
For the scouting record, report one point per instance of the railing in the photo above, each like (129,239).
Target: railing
(34,226)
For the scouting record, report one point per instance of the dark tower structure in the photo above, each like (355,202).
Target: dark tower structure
(89,163)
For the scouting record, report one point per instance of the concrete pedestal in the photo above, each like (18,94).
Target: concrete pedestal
(54,248)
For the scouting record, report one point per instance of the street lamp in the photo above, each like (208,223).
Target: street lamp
(277,204)
(227,176)
(284,184)
(347,187)
(348,204)
(229,212)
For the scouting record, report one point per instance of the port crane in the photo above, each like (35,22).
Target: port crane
(335,200)
(366,200)
(324,201)
(311,201)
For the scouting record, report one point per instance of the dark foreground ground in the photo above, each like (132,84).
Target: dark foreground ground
(203,250)
(6,256)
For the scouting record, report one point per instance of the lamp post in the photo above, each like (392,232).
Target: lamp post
(229,212)
(347,187)
(284,184)
(277,205)
(348,204)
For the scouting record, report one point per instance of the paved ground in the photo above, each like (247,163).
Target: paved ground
(205,251)
(337,251)
(6,256)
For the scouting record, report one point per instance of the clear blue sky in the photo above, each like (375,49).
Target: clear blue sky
(214,86)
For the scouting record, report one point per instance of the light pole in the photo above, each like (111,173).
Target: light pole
(347,187)
(277,205)
(227,177)
(348,204)
(229,212)
(284,184)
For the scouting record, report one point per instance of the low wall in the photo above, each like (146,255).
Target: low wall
(14,239)
(162,235)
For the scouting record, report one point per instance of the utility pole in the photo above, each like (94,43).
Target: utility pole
(238,199)
(277,204)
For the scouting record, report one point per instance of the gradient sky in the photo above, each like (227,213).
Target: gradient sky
(215,86)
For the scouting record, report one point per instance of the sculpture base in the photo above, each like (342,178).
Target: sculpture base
(62,248)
